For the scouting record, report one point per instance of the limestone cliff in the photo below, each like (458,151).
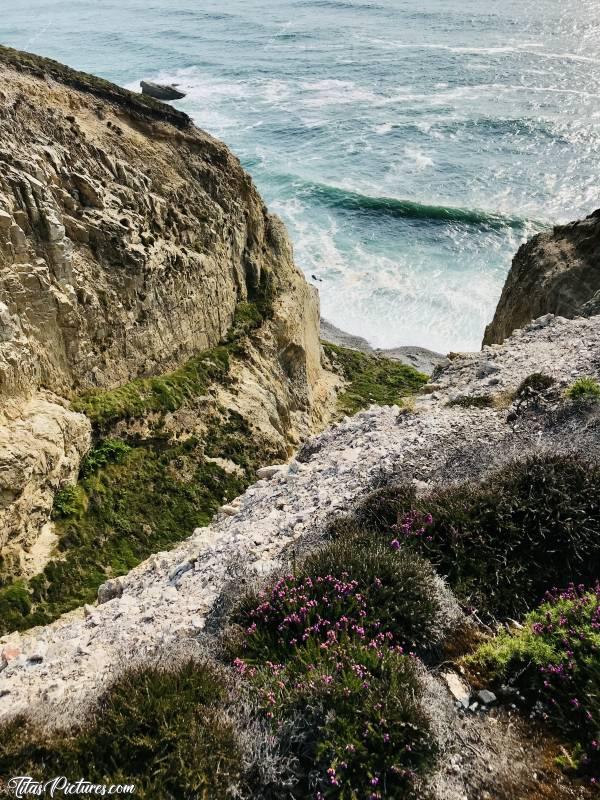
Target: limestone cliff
(128,237)
(554,273)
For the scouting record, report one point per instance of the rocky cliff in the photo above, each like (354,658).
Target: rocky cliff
(128,240)
(485,410)
(554,273)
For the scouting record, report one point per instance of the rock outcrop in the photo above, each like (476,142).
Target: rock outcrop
(554,273)
(128,237)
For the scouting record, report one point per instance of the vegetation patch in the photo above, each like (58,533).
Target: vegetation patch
(372,380)
(161,394)
(473,401)
(502,542)
(326,649)
(163,731)
(584,390)
(152,497)
(554,660)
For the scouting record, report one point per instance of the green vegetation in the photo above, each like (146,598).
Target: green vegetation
(163,731)
(398,587)
(325,649)
(372,380)
(171,391)
(503,542)
(554,660)
(584,390)
(150,499)
(137,497)
(162,394)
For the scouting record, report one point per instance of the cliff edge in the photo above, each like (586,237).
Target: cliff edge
(557,272)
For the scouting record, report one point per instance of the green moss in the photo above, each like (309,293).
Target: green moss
(372,380)
(163,731)
(584,390)
(554,660)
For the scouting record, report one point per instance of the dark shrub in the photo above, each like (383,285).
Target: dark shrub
(554,660)
(359,730)
(503,542)
(162,731)
(398,586)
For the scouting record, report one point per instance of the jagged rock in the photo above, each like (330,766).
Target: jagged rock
(269,472)
(556,272)
(110,590)
(161,91)
(458,687)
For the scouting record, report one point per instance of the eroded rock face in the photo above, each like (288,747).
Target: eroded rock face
(127,239)
(555,273)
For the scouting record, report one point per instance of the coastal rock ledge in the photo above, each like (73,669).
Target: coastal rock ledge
(557,272)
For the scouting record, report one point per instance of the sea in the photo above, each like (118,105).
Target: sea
(410,146)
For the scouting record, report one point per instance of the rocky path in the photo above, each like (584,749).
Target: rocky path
(168,597)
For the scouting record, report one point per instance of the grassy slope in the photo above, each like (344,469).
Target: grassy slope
(372,380)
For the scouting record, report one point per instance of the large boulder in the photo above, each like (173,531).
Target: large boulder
(557,272)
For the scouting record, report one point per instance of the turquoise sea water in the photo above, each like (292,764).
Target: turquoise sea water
(410,146)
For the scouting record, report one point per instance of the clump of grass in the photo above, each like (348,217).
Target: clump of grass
(473,401)
(554,659)
(372,380)
(163,731)
(108,451)
(584,390)
(503,541)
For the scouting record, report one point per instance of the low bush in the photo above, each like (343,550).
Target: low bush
(584,390)
(554,659)
(359,730)
(326,650)
(399,588)
(163,731)
(502,542)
